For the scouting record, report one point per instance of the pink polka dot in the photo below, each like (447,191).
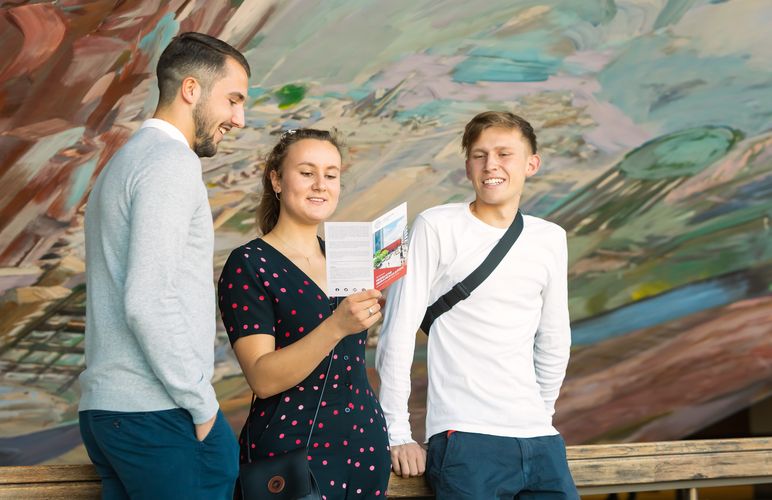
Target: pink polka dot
(245,308)
(357,464)
(283,289)
(234,305)
(293,312)
(255,326)
(245,287)
(281,436)
(321,425)
(266,283)
(359,490)
(345,443)
(262,270)
(377,493)
(294,422)
(300,291)
(230,285)
(332,482)
(372,467)
(324,462)
(321,315)
(262,297)
(262,259)
(286,399)
(245,327)
(301,329)
(275,275)
(298,441)
(238,270)
(305,282)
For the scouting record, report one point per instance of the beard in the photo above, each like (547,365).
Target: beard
(204,145)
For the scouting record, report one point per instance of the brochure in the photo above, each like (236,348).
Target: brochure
(365,255)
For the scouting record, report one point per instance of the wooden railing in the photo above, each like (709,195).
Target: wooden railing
(597,469)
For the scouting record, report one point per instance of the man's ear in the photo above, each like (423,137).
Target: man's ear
(468,168)
(534,162)
(190,90)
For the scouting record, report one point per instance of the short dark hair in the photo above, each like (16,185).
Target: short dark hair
(269,207)
(503,119)
(193,54)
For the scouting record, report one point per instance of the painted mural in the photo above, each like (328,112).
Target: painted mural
(654,119)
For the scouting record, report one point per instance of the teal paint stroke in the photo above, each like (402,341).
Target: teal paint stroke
(161,35)
(672,13)
(154,42)
(683,153)
(80,182)
(679,89)
(529,63)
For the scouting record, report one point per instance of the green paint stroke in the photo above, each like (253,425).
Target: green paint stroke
(289,95)
(680,154)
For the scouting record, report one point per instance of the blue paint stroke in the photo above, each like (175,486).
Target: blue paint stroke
(666,307)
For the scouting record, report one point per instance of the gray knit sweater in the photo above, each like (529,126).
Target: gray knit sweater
(150,314)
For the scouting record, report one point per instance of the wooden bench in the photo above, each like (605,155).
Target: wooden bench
(597,469)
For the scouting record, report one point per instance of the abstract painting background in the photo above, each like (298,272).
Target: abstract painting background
(654,122)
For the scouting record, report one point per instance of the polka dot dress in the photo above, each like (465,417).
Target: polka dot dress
(263,292)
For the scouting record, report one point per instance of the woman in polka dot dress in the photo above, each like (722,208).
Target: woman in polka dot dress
(283,327)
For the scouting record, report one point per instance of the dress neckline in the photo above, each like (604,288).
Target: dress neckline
(288,260)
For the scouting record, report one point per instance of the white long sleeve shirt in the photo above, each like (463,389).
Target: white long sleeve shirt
(497,359)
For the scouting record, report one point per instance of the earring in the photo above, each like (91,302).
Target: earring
(277,195)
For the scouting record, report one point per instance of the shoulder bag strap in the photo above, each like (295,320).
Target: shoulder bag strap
(463,289)
(316,413)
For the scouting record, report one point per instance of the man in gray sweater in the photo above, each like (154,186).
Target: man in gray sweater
(149,416)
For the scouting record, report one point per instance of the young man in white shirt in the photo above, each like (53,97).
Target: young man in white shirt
(497,359)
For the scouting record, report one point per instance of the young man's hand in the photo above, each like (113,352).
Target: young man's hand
(202,430)
(408,459)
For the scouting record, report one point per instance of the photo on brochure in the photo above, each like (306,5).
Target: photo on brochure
(365,255)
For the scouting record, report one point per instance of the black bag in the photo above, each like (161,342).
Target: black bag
(282,477)
(464,288)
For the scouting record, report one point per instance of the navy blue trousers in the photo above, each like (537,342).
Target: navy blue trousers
(466,465)
(149,455)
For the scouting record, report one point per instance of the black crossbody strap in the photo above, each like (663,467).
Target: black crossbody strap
(463,289)
(313,422)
